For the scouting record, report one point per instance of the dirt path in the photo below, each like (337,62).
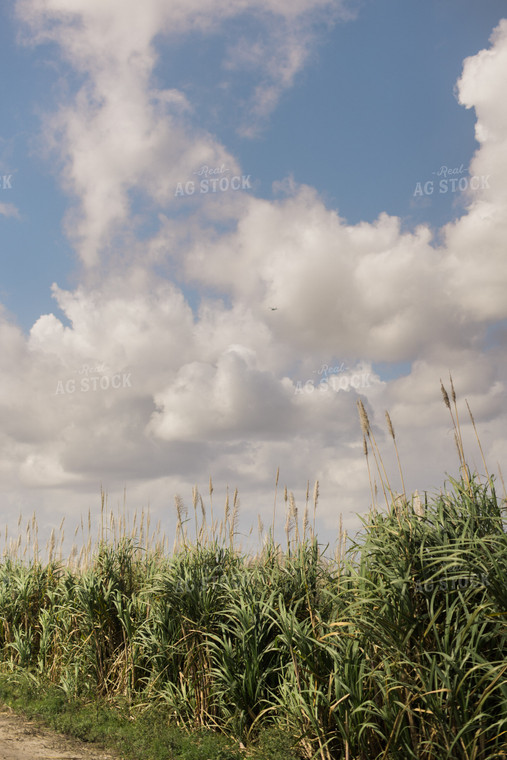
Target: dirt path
(22,739)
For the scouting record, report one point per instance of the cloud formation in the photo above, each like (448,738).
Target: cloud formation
(120,133)
(185,311)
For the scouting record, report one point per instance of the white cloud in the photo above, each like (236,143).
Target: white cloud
(120,133)
(9,209)
(476,262)
(347,290)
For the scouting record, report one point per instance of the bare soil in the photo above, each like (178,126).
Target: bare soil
(22,739)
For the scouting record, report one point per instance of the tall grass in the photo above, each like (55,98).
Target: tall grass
(394,648)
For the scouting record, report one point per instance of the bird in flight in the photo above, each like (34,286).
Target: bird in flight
(273,308)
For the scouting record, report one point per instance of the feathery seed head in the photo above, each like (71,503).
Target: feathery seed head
(390,425)
(453,392)
(445,396)
(363,417)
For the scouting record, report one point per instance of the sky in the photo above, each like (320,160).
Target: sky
(225,222)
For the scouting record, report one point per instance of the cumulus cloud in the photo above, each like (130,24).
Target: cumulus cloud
(476,243)
(338,288)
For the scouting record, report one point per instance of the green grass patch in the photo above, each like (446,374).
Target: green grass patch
(134,732)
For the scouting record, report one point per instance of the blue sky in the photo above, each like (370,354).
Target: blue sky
(338,113)
(371,115)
